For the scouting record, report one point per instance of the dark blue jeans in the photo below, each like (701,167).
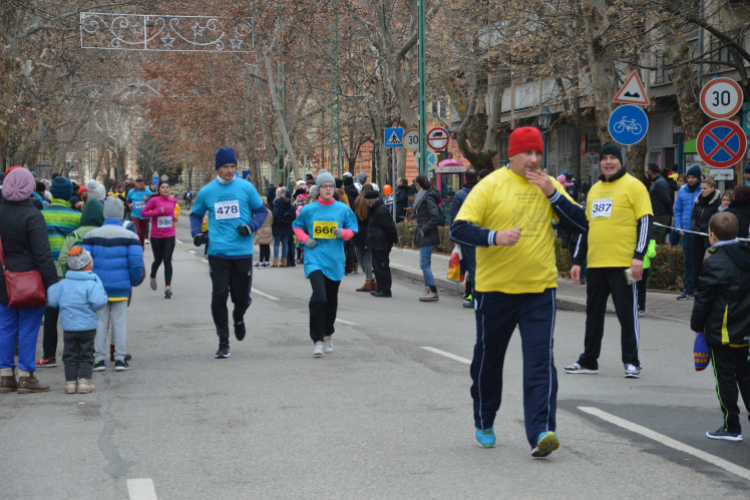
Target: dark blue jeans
(687,252)
(497,315)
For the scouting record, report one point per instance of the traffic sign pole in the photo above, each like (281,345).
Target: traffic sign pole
(422,85)
(393,186)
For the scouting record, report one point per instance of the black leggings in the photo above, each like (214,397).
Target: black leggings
(163,249)
(323,305)
(265,253)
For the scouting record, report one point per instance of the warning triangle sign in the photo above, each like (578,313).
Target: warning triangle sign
(632,92)
(394,140)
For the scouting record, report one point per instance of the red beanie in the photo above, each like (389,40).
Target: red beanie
(525,139)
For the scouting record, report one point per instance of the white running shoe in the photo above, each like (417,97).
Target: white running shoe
(576,368)
(632,371)
(318,350)
(328,344)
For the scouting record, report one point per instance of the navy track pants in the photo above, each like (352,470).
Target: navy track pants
(497,316)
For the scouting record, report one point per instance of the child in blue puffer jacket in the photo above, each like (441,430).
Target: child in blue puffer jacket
(79,296)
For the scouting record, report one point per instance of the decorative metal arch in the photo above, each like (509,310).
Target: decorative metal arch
(166,33)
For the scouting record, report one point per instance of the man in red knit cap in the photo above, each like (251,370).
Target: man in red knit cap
(508,217)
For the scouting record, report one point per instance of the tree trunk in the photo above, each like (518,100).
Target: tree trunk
(636,161)
(676,51)
(601,66)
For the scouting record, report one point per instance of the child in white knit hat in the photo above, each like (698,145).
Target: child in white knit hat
(79,296)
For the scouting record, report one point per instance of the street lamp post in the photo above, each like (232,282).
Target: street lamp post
(545,120)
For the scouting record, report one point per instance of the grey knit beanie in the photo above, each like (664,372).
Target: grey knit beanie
(113,209)
(323,177)
(78,258)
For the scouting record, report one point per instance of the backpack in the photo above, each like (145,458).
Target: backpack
(287,218)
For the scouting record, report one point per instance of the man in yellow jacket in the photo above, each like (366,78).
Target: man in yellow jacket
(508,217)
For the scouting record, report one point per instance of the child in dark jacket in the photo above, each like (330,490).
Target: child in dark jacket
(722,312)
(78,297)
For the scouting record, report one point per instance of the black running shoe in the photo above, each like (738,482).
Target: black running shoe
(121,365)
(128,357)
(223,352)
(239,330)
(720,433)
(168,293)
(100,366)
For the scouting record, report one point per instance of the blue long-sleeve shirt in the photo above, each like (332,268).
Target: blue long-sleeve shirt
(229,206)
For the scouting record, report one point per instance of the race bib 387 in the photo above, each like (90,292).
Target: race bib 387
(601,208)
(227,210)
(323,230)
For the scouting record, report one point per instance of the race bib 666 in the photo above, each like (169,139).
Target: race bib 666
(227,210)
(601,208)
(323,230)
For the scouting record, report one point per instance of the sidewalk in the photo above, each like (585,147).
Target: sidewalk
(570,297)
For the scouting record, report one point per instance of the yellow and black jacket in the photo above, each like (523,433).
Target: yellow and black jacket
(722,300)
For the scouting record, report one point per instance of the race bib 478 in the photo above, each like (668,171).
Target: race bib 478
(227,210)
(323,230)
(601,208)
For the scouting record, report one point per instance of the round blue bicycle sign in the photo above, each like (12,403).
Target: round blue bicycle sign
(628,124)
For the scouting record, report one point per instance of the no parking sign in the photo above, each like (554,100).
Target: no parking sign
(721,143)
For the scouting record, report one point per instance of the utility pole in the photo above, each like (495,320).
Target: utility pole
(335,101)
(281,89)
(422,84)
(91,159)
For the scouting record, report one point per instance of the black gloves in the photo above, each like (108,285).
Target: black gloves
(244,230)
(199,239)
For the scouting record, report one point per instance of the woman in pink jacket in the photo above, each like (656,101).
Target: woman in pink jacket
(161,209)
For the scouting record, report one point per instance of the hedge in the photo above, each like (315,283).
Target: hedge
(667,268)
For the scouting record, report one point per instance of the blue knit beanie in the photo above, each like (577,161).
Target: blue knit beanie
(62,188)
(695,171)
(225,156)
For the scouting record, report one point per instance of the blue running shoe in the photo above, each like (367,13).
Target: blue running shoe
(486,437)
(546,444)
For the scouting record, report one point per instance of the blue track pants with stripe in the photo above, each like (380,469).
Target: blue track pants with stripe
(497,316)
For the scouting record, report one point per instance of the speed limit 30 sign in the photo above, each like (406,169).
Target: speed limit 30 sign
(721,98)
(411,139)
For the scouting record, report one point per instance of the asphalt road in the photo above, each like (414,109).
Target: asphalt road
(381,417)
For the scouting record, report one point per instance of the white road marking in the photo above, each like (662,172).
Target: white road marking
(667,441)
(448,355)
(271,297)
(339,320)
(141,489)
(192,251)
(178,241)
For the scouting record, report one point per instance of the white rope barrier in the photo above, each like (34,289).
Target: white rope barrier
(691,232)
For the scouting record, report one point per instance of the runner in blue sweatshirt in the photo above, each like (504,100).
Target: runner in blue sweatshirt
(235,212)
(323,226)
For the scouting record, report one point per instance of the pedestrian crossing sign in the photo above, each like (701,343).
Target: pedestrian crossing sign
(394,137)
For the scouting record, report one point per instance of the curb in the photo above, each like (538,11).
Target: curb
(563,303)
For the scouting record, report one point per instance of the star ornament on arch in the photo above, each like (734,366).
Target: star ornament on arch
(168,41)
(235,43)
(198,30)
